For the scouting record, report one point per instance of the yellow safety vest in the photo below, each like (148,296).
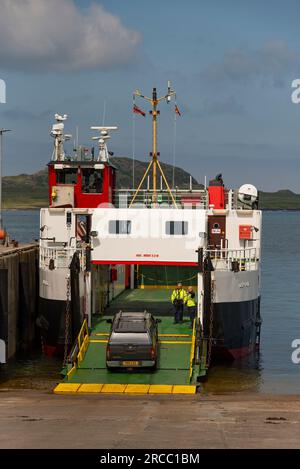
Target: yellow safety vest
(190,301)
(178,295)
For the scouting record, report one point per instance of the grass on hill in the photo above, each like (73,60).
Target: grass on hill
(27,191)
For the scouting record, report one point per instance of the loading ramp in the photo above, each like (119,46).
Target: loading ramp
(176,369)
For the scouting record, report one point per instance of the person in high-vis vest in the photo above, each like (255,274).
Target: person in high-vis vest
(191,304)
(178,299)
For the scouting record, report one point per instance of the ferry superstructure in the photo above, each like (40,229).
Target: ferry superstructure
(102,249)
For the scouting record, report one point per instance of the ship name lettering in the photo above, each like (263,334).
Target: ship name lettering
(244,284)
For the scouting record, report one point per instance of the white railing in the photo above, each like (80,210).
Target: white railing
(234,259)
(60,258)
(183,197)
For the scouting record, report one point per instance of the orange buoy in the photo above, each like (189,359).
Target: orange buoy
(2,234)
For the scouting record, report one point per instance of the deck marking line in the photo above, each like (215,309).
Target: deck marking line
(173,342)
(98,341)
(174,335)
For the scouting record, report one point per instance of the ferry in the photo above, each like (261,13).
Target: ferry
(104,249)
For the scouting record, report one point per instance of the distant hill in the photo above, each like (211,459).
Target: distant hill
(124,173)
(26,190)
(280,200)
(31,190)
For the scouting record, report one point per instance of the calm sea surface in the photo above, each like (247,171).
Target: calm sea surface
(270,372)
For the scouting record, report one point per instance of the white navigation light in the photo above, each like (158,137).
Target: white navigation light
(248,194)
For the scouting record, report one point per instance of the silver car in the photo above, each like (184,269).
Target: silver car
(133,341)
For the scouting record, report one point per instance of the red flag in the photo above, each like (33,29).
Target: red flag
(177,110)
(137,110)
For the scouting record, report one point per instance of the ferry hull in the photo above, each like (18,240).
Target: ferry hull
(235,329)
(52,324)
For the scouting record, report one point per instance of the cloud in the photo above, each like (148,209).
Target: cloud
(271,62)
(20,114)
(56,35)
(222,106)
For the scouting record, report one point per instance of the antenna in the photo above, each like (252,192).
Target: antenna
(104,112)
(57,132)
(154,101)
(102,138)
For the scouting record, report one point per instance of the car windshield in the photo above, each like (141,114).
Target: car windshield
(132,325)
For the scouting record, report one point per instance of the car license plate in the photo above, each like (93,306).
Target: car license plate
(130,363)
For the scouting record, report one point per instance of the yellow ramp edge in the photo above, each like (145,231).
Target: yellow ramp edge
(90,388)
(66,387)
(137,388)
(179,389)
(160,389)
(113,388)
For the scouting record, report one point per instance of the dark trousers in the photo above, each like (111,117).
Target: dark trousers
(192,313)
(178,311)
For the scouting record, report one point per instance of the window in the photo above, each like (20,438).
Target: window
(66,176)
(119,227)
(91,181)
(131,326)
(176,227)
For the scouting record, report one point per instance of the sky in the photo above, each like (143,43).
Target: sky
(231,63)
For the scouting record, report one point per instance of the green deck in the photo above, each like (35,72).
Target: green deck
(174,352)
(155,300)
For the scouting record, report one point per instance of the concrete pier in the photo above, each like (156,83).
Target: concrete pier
(18,298)
(32,419)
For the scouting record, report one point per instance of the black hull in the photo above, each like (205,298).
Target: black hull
(52,316)
(52,323)
(235,328)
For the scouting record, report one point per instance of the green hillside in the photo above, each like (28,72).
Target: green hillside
(31,190)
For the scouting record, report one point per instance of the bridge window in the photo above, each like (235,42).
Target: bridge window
(66,176)
(119,227)
(176,227)
(91,181)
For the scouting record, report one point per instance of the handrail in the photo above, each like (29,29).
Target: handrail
(192,354)
(222,259)
(83,341)
(81,344)
(180,197)
(61,256)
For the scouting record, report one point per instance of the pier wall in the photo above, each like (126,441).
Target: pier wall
(18,299)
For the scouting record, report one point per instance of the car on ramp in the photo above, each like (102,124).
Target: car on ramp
(133,341)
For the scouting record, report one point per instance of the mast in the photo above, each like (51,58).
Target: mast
(154,101)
